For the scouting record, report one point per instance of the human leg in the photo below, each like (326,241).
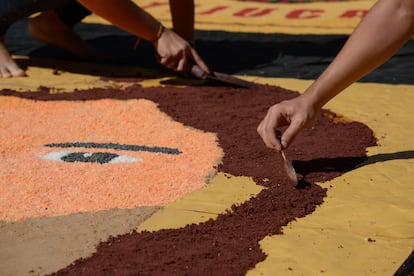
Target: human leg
(182,13)
(55,27)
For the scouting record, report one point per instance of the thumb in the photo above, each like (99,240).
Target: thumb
(199,61)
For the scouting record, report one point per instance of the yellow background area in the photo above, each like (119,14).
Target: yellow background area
(366,224)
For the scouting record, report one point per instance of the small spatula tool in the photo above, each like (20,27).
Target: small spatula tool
(290,170)
(221,77)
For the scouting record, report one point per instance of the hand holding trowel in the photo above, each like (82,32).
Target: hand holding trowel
(171,56)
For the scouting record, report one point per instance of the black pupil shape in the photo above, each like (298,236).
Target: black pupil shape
(96,157)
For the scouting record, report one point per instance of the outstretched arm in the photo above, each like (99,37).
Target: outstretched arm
(383,31)
(173,50)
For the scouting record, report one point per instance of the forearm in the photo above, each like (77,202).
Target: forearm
(126,15)
(384,30)
(182,13)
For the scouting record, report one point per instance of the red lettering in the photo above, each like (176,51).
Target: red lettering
(213,10)
(155,4)
(304,13)
(252,12)
(354,13)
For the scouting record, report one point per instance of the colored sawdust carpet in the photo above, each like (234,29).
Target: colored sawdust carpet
(92,152)
(229,242)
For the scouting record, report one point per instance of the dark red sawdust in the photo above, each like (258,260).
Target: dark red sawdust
(228,245)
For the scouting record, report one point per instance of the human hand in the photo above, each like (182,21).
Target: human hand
(176,53)
(296,113)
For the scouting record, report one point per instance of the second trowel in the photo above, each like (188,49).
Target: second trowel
(221,77)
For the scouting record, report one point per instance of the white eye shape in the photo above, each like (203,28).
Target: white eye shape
(89,157)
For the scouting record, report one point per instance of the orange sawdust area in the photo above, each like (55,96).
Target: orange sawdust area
(364,227)
(151,168)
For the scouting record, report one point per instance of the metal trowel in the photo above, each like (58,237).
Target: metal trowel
(221,77)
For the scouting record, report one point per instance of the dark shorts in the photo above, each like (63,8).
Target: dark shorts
(72,13)
(14,10)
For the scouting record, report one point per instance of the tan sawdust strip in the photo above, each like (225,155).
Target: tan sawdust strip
(43,245)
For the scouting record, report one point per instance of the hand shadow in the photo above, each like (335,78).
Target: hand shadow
(333,167)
